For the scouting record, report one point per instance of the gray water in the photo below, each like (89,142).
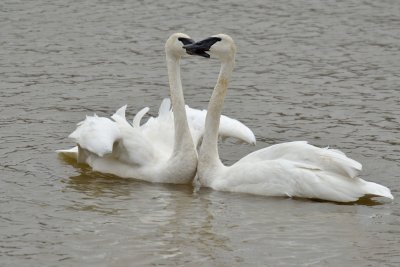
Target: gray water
(323,71)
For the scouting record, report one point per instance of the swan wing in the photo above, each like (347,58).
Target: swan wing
(115,138)
(228,127)
(160,130)
(301,152)
(233,128)
(268,178)
(133,147)
(96,134)
(287,178)
(138,117)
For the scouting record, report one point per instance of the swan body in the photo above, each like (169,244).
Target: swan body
(294,169)
(99,134)
(162,149)
(133,155)
(160,129)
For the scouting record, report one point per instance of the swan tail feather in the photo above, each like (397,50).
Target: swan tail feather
(375,189)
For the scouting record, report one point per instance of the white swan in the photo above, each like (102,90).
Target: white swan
(161,150)
(294,169)
(98,134)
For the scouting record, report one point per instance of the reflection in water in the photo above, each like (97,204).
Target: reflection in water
(173,213)
(170,224)
(198,217)
(364,201)
(96,184)
(179,217)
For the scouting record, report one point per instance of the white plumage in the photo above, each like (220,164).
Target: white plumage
(99,134)
(160,150)
(294,169)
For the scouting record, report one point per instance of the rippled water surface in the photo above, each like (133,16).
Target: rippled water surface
(323,71)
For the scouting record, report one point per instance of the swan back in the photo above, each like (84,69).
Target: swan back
(325,159)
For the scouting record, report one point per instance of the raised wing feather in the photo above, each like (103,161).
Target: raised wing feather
(161,130)
(114,139)
(133,146)
(141,144)
(96,134)
(138,117)
(228,127)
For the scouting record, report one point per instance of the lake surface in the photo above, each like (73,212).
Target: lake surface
(323,71)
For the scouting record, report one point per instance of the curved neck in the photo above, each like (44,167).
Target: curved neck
(209,148)
(183,138)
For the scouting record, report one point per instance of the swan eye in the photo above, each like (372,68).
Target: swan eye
(186,41)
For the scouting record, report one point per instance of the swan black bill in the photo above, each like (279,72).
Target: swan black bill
(186,41)
(200,48)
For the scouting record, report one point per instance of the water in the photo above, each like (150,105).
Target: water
(322,71)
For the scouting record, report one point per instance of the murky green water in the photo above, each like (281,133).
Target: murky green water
(323,71)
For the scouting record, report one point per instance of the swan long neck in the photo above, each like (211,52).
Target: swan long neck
(183,138)
(209,148)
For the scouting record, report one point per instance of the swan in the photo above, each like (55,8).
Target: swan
(88,132)
(162,149)
(293,169)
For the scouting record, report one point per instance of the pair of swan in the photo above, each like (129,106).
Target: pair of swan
(161,150)
(294,169)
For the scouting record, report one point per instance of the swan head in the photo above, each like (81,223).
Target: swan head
(221,46)
(174,44)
